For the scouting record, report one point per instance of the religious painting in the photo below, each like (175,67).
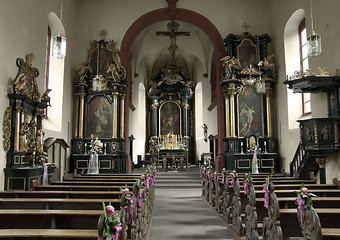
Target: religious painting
(100,61)
(250,120)
(170,118)
(99,117)
(247,53)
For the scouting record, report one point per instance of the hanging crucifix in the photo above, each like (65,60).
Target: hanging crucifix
(172,33)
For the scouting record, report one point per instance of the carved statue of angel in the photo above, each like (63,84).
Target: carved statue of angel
(83,71)
(228,62)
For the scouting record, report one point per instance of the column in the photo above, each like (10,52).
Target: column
(269,112)
(17,130)
(227,115)
(186,120)
(81,116)
(154,117)
(232,114)
(76,127)
(122,112)
(115,115)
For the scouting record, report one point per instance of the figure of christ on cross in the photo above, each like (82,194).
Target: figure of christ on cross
(172,33)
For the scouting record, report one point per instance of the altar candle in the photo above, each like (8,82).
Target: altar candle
(265,144)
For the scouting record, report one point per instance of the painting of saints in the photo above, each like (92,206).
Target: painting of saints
(170,118)
(100,118)
(250,113)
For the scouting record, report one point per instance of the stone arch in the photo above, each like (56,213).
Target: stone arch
(200,21)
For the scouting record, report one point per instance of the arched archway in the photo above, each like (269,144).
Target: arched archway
(173,13)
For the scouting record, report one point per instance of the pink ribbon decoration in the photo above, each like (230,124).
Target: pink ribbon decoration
(215,178)
(131,211)
(208,177)
(245,187)
(232,181)
(118,229)
(266,197)
(301,202)
(223,178)
(140,200)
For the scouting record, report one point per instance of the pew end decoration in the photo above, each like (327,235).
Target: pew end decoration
(308,218)
(109,224)
(303,200)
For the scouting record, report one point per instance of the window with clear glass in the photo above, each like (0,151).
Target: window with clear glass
(304,65)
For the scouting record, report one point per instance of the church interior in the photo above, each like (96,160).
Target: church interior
(251,86)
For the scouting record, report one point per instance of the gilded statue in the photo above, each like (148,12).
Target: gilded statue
(84,70)
(45,96)
(229,62)
(25,83)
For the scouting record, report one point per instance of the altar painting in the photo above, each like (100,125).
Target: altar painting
(250,120)
(247,53)
(170,118)
(100,117)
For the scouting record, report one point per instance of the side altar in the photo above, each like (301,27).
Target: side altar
(247,82)
(100,92)
(23,130)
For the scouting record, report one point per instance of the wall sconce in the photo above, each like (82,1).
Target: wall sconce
(59,41)
(313,40)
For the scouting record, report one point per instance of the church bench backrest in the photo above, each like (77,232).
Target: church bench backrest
(60,203)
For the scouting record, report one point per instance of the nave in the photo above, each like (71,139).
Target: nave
(180,212)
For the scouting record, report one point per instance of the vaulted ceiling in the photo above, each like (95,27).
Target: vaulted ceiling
(151,51)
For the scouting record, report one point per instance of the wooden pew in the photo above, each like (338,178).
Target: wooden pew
(57,203)
(50,234)
(62,194)
(287,189)
(66,207)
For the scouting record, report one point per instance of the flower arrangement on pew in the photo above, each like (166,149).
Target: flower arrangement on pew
(128,202)
(223,172)
(112,225)
(266,191)
(303,199)
(246,182)
(204,169)
(233,177)
(214,176)
(140,183)
(149,179)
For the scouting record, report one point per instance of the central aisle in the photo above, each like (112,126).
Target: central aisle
(180,212)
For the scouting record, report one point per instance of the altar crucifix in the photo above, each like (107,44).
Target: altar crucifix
(172,33)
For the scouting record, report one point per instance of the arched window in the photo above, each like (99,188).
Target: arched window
(296,60)
(304,65)
(54,76)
